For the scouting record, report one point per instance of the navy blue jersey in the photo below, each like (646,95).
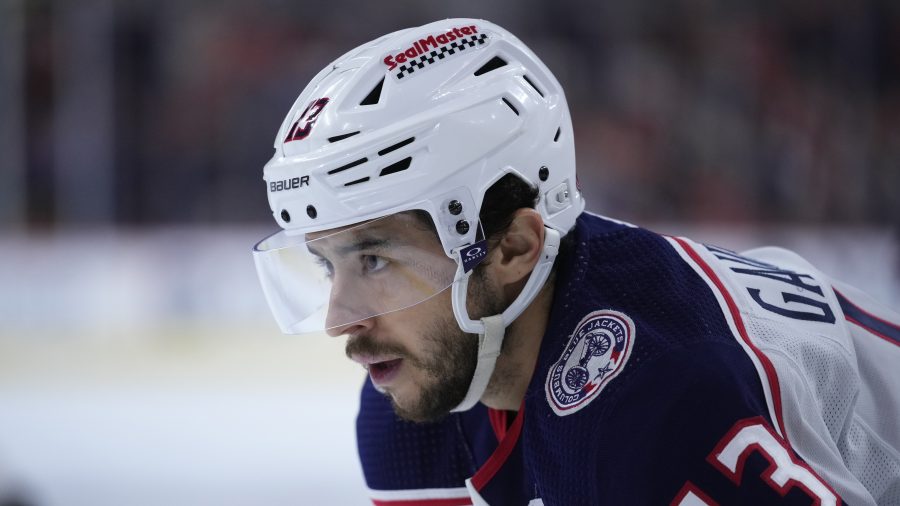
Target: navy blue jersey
(670,373)
(411,464)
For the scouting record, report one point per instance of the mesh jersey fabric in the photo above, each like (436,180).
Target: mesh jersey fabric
(838,380)
(434,455)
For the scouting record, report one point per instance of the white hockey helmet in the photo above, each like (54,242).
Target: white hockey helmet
(422,119)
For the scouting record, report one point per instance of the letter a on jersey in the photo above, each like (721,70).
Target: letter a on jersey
(595,354)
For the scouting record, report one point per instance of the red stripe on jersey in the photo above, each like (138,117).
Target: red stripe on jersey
(772,376)
(498,420)
(498,458)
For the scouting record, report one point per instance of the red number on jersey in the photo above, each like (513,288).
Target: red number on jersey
(784,473)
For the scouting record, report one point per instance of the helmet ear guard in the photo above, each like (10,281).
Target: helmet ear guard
(534,284)
(492,329)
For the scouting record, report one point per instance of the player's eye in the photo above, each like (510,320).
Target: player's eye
(373,263)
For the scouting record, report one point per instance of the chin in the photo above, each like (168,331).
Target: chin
(410,415)
(406,407)
(419,417)
(418,409)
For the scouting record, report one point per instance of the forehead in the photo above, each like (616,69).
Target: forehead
(407,228)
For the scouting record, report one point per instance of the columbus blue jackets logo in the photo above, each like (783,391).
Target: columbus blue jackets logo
(595,354)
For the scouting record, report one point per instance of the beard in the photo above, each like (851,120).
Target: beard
(448,356)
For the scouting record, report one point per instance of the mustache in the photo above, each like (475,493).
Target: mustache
(363,344)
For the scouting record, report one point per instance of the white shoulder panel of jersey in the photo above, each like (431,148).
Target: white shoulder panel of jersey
(871,445)
(786,316)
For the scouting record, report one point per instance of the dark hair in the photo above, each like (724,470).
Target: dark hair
(501,201)
(509,194)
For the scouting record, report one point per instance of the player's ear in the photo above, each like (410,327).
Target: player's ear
(518,250)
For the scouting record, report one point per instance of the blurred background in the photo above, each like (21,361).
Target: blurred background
(138,361)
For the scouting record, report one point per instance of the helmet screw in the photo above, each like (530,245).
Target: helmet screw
(462,226)
(544,173)
(286,216)
(311,212)
(454,207)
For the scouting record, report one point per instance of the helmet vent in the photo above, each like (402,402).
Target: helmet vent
(351,183)
(348,166)
(492,64)
(507,102)
(556,137)
(375,95)
(396,146)
(341,137)
(533,86)
(396,167)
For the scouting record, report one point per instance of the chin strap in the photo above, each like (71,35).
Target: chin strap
(492,329)
(489,345)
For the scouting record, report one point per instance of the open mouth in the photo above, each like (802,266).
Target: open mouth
(383,372)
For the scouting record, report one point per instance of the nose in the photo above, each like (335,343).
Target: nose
(340,329)
(350,329)
(347,313)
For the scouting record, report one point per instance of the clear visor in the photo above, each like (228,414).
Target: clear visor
(331,279)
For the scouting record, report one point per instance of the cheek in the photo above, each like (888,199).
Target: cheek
(426,331)
(484,299)
(407,330)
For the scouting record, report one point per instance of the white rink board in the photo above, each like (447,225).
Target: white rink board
(211,420)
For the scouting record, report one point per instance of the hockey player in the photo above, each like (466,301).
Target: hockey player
(537,354)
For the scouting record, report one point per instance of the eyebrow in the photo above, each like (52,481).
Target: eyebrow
(363,243)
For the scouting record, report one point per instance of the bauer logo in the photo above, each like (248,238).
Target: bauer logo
(595,354)
(433,49)
(288,184)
